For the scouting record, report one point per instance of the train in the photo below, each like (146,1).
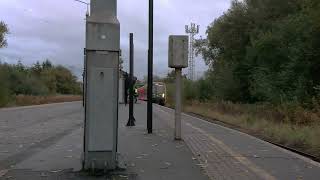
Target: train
(158,96)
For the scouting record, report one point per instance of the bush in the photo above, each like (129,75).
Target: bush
(38,80)
(4,88)
(4,95)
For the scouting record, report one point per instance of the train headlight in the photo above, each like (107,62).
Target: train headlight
(163,95)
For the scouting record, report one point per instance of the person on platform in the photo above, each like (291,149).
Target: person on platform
(126,87)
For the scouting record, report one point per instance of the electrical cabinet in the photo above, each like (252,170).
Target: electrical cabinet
(178,51)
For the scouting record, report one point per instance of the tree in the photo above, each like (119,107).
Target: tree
(66,82)
(4,30)
(264,51)
(36,68)
(5,94)
(121,63)
(47,64)
(170,78)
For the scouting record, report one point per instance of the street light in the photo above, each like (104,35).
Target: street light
(150,69)
(88,4)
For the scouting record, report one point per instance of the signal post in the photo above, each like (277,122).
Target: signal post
(178,59)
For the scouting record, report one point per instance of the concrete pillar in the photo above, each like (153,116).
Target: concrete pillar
(102,78)
(177,129)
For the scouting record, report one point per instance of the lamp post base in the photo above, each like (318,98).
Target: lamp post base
(131,122)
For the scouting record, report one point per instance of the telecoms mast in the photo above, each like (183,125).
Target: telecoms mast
(192,30)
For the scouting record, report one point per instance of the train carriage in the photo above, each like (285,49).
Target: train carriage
(158,96)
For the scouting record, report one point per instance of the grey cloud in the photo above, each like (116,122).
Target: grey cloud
(55,29)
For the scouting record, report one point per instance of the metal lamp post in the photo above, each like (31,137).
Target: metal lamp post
(131,121)
(150,68)
(87,4)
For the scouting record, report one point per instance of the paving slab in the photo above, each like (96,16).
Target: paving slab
(45,142)
(157,156)
(229,154)
(57,155)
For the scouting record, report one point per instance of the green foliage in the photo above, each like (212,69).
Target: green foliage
(121,63)
(39,79)
(170,78)
(4,30)
(204,90)
(263,51)
(66,82)
(4,88)
(189,90)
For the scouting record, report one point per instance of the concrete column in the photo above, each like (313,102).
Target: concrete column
(102,80)
(177,130)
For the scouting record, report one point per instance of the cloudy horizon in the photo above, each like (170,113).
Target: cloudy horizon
(54,30)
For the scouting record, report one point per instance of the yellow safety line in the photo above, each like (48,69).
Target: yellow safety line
(243,160)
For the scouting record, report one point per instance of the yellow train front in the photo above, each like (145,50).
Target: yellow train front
(159,93)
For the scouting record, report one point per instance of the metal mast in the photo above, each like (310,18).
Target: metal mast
(191,31)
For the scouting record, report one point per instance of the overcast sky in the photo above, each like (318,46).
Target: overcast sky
(54,29)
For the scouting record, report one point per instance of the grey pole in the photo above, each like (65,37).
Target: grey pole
(131,90)
(150,69)
(177,130)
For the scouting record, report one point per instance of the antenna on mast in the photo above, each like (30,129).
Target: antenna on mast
(192,30)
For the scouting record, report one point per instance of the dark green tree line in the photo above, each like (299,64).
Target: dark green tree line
(39,79)
(264,51)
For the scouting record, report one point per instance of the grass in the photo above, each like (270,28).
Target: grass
(293,127)
(26,100)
